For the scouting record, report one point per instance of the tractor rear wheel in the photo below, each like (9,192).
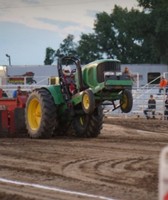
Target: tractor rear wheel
(40,114)
(64,129)
(89,126)
(126,102)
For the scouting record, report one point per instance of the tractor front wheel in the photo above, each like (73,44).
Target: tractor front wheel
(40,114)
(89,126)
(88,102)
(126,101)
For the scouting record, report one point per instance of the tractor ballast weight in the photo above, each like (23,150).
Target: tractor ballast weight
(53,110)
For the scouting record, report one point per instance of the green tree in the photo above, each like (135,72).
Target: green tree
(88,48)
(121,35)
(49,57)
(67,47)
(134,40)
(105,35)
(131,36)
(158,15)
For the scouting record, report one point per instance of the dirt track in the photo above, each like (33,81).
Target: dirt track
(122,163)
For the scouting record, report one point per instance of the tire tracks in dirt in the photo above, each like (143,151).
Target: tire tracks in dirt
(121,163)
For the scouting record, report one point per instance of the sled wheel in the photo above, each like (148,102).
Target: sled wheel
(88,102)
(89,126)
(126,101)
(40,114)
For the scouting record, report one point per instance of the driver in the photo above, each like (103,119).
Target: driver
(69,79)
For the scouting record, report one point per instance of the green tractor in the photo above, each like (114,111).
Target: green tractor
(53,110)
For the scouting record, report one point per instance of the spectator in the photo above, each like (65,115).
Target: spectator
(17,92)
(163,84)
(127,73)
(166,108)
(3,93)
(151,107)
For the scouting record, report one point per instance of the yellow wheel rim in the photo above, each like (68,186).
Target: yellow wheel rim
(34,114)
(86,102)
(81,121)
(124,101)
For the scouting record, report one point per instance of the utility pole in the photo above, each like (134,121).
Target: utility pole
(7,55)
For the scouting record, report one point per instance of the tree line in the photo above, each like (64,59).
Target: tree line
(135,36)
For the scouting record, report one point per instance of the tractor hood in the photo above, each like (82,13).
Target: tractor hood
(94,73)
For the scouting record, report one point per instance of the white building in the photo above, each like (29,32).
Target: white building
(41,73)
(147,72)
(144,73)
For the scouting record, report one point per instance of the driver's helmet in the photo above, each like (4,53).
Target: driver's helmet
(66,70)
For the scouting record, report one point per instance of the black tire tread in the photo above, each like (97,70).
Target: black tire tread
(48,119)
(93,125)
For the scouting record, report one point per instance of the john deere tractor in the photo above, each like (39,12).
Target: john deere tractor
(53,110)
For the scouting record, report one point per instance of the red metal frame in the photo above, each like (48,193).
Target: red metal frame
(8,109)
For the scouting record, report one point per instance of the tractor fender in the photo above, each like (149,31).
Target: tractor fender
(56,93)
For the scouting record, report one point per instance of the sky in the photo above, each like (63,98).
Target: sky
(28,27)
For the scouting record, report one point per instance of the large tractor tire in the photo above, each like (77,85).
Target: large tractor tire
(89,126)
(64,129)
(40,114)
(126,101)
(88,102)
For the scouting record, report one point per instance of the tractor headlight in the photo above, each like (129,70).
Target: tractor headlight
(108,74)
(118,73)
